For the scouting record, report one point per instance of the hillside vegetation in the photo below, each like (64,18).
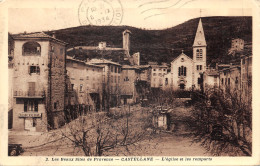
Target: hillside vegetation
(164,45)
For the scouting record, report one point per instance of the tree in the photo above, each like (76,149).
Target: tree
(98,133)
(223,121)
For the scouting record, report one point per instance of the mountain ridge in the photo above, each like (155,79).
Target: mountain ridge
(166,44)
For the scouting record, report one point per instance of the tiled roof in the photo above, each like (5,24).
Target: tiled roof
(36,35)
(77,60)
(102,61)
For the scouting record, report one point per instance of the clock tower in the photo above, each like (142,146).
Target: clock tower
(199,55)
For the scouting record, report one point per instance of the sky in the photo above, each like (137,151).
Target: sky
(32,16)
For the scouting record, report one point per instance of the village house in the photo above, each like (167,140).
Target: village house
(135,83)
(84,86)
(210,79)
(230,79)
(38,82)
(157,75)
(111,81)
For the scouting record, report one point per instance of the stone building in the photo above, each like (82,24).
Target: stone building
(38,82)
(186,72)
(229,79)
(84,85)
(135,83)
(210,79)
(157,75)
(246,77)
(237,45)
(111,81)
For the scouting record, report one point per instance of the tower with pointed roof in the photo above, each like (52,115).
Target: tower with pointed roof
(199,54)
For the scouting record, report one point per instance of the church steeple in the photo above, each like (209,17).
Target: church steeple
(200,37)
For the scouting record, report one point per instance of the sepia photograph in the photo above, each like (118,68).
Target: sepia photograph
(167,81)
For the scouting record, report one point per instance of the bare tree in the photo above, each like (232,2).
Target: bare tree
(99,133)
(223,121)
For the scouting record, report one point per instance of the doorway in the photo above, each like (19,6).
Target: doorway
(182,86)
(30,124)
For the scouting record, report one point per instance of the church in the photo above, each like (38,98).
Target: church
(185,71)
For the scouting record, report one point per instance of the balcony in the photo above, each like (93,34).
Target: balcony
(29,94)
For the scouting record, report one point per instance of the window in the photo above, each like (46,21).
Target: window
(126,79)
(30,105)
(154,69)
(154,74)
(166,81)
(55,105)
(115,79)
(34,69)
(34,122)
(228,81)
(87,77)
(118,79)
(93,69)
(111,68)
(236,81)
(81,88)
(160,74)
(111,79)
(72,87)
(115,69)
(199,54)
(182,71)
(222,81)
(199,81)
(31,48)
(199,67)
(182,59)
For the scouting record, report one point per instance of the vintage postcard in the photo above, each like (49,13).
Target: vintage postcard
(129,82)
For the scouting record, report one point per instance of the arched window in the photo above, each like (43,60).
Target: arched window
(31,48)
(182,71)
(199,54)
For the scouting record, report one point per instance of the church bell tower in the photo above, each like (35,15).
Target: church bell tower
(199,55)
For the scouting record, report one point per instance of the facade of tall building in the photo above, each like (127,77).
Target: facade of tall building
(111,78)
(38,82)
(84,85)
